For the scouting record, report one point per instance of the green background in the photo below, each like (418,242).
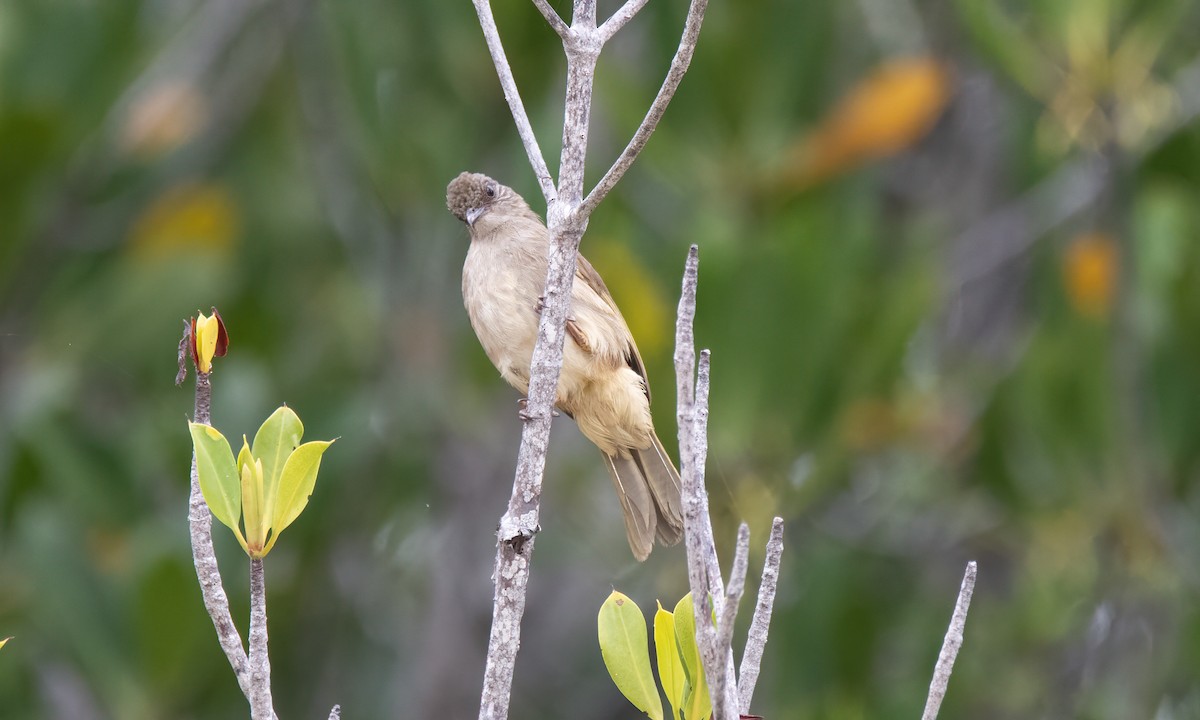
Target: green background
(904,365)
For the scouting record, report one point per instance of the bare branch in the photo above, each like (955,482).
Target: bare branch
(685,338)
(679,66)
(699,452)
(727,684)
(515,535)
(260,663)
(617,20)
(722,676)
(704,572)
(491,35)
(553,19)
(735,588)
(756,639)
(950,646)
(567,216)
(581,71)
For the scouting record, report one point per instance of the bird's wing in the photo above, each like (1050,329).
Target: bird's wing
(590,289)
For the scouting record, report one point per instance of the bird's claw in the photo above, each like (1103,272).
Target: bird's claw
(523,410)
(522,538)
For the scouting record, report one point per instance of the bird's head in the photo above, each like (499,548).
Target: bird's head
(474,196)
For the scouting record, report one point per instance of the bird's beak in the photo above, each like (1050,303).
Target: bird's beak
(474,214)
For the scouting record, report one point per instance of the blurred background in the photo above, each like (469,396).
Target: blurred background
(949,276)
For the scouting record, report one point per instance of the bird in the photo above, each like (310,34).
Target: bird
(602,385)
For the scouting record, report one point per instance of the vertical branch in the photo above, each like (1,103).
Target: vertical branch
(583,51)
(685,344)
(704,572)
(253,673)
(950,646)
(567,219)
(515,535)
(756,639)
(260,663)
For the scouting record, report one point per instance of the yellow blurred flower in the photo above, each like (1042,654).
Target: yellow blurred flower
(886,112)
(199,216)
(1090,270)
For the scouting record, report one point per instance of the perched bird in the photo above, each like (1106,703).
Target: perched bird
(603,381)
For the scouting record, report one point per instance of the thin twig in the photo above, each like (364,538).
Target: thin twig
(727,687)
(617,20)
(685,338)
(700,456)
(260,662)
(722,678)
(205,559)
(950,646)
(735,588)
(756,639)
(537,161)
(679,66)
(553,19)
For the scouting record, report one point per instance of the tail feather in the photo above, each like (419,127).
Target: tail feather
(665,488)
(636,504)
(648,488)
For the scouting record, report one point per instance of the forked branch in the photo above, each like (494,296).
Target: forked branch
(729,700)
(567,216)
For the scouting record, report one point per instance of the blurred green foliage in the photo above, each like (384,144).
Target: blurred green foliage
(970,337)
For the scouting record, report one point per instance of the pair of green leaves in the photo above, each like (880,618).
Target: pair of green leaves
(625,649)
(267,487)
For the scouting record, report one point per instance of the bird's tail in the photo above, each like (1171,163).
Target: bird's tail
(648,487)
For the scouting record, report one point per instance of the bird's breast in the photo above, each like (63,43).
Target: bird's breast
(500,292)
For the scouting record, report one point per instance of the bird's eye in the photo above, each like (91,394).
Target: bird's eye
(490,189)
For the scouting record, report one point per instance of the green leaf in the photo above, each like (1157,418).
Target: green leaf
(296,483)
(219,480)
(697,704)
(275,440)
(670,665)
(245,457)
(622,631)
(255,520)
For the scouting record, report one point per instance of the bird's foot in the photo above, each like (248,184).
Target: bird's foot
(518,541)
(523,410)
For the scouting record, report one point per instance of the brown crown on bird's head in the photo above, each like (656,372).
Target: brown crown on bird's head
(470,194)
